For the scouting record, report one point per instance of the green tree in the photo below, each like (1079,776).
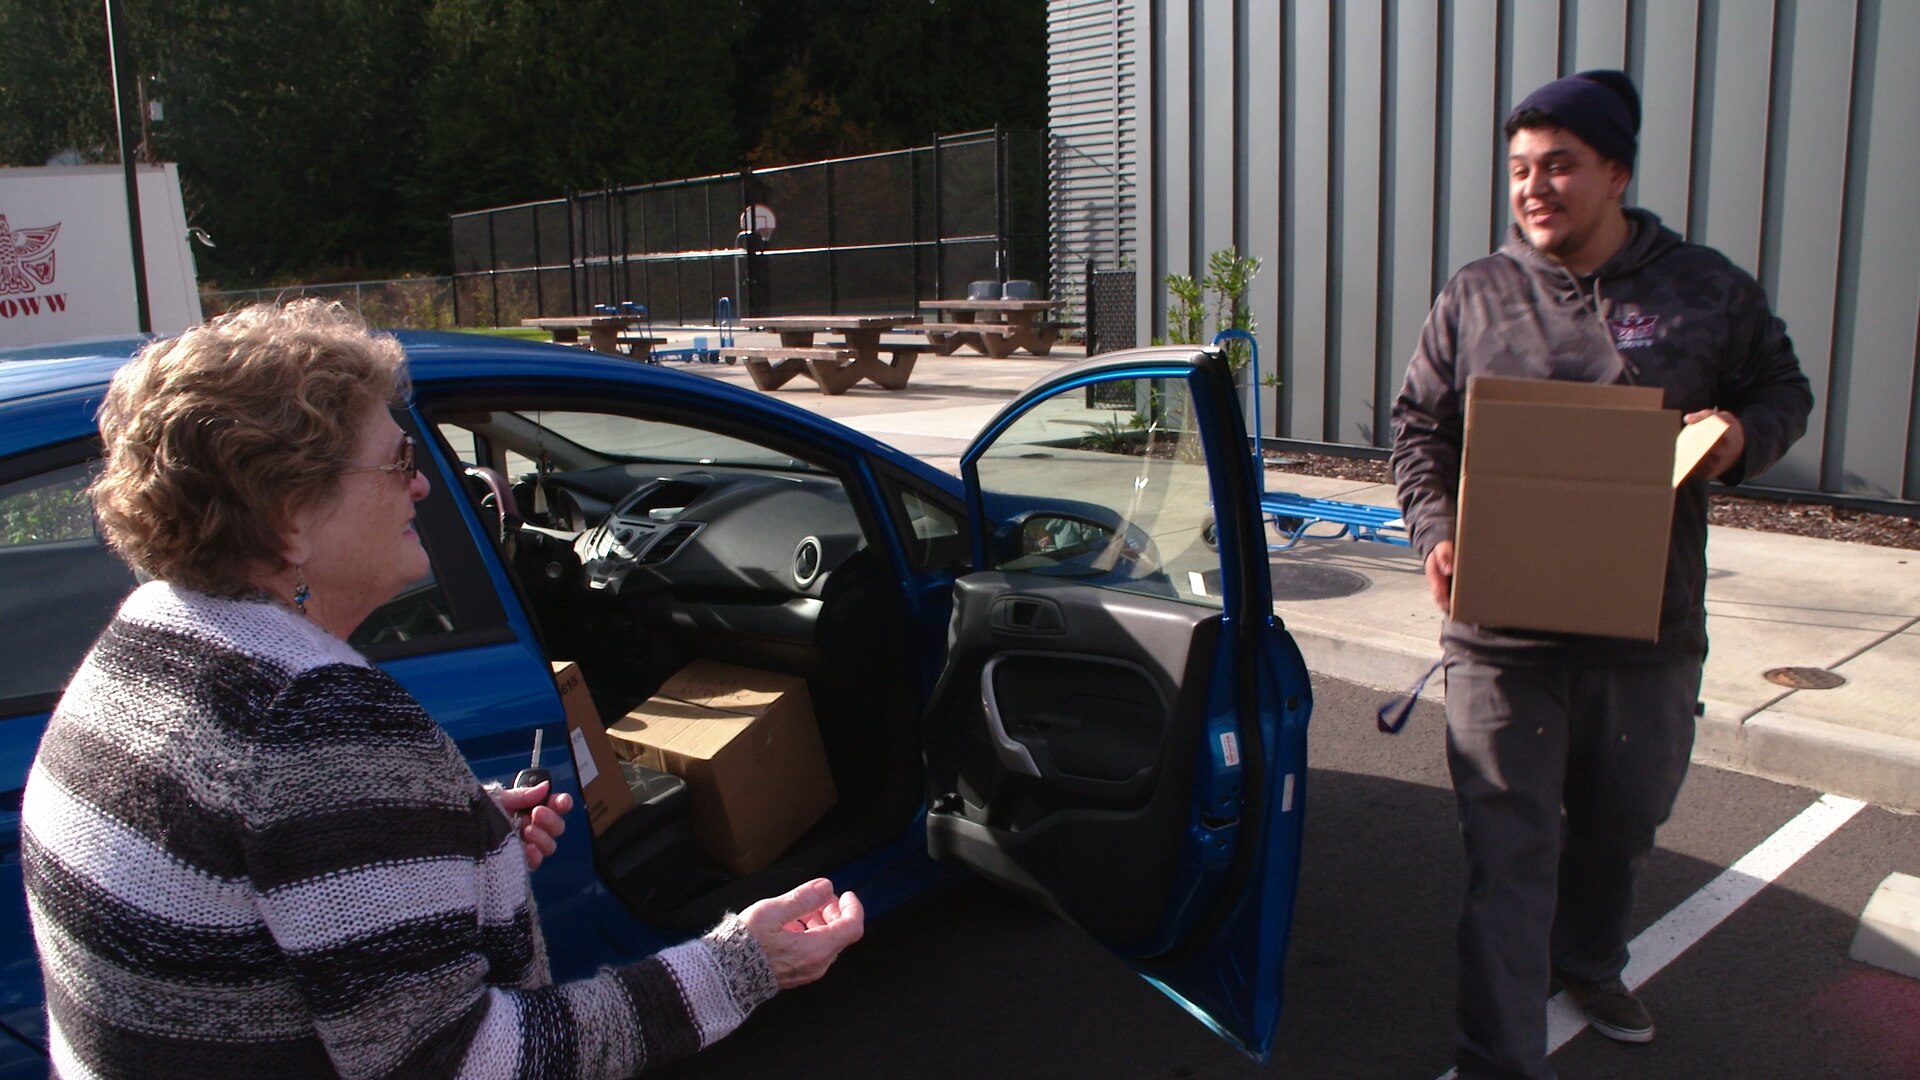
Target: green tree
(56,92)
(897,71)
(326,138)
(531,99)
(296,126)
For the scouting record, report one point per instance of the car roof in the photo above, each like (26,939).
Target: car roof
(86,367)
(33,370)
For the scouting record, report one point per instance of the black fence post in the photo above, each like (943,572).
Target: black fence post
(939,226)
(573,257)
(493,272)
(454,281)
(539,291)
(1093,325)
(1000,198)
(833,254)
(617,244)
(606,211)
(913,223)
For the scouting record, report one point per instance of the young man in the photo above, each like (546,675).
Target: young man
(1567,751)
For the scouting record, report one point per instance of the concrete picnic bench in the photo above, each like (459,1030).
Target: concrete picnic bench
(993,327)
(834,367)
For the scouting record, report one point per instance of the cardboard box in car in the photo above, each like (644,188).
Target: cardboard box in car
(1566,505)
(602,786)
(746,744)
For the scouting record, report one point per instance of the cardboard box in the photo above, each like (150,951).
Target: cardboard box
(1566,505)
(746,744)
(602,786)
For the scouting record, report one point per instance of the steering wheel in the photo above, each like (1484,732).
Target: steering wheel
(497,496)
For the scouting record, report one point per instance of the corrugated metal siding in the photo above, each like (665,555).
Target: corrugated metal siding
(1094,132)
(1353,145)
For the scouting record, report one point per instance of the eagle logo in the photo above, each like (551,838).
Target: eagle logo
(26,257)
(1633,331)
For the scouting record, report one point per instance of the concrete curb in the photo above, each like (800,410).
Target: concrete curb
(1866,765)
(1358,654)
(1879,769)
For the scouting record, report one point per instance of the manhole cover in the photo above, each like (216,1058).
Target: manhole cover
(1305,581)
(1806,678)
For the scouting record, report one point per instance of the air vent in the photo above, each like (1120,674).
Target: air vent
(670,541)
(807,559)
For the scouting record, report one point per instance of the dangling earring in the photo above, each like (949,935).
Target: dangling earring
(300,591)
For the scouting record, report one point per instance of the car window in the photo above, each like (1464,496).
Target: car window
(60,584)
(420,611)
(937,539)
(1119,501)
(48,508)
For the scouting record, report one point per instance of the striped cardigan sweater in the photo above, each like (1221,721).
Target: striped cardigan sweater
(249,852)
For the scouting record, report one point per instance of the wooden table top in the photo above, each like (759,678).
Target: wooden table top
(826,322)
(577,322)
(987,305)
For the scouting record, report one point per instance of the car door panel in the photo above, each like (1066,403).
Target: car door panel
(1068,755)
(1119,732)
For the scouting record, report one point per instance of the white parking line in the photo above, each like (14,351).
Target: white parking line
(1679,929)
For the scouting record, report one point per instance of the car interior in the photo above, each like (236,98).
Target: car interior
(642,544)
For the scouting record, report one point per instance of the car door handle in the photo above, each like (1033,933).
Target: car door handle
(1027,615)
(1012,756)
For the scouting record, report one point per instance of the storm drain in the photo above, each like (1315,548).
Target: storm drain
(1305,581)
(1806,678)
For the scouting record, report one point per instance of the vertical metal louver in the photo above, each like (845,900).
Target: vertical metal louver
(1091,103)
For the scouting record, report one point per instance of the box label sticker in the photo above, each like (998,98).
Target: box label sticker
(583,759)
(1230,747)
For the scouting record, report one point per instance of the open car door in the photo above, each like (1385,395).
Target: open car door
(1120,729)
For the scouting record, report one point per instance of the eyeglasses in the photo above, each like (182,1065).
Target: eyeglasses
(405,464)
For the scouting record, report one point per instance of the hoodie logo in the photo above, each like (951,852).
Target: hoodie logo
(1633,331)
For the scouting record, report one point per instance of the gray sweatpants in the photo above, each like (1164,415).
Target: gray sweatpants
(1560,777)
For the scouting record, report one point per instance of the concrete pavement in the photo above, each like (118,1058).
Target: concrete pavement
(1773,601)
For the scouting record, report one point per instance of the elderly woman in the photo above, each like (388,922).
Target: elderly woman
(247,850)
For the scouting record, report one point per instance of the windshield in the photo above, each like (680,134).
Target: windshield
(609,435)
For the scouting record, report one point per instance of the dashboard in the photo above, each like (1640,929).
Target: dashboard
(739,552)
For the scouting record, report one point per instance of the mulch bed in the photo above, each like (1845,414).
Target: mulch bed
(1766,515)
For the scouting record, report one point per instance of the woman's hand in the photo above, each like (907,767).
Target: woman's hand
(542,821)
(804,930)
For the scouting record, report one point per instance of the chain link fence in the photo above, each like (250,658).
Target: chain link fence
(862,235)
(401,303)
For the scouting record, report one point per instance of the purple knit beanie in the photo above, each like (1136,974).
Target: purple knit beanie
(1601,107)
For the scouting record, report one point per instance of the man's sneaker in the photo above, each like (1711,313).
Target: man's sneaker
(1611,1009)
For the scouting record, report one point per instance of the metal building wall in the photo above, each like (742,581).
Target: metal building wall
(1353,145)
(1093,133)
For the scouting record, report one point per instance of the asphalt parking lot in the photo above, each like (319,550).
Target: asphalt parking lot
(971,983)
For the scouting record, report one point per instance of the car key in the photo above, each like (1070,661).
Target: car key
(533,773)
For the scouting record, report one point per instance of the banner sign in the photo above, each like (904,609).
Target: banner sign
(66,267)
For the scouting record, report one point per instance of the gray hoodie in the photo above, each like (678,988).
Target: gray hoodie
(1661,312)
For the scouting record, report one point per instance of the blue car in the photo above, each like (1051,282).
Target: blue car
(1060,671)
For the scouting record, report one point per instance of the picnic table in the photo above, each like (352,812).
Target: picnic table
(605,333)
(994,327)
(833,366)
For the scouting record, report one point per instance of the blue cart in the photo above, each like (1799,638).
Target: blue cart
(1293,515)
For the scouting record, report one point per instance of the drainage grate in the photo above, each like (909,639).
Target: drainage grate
(1806,678)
